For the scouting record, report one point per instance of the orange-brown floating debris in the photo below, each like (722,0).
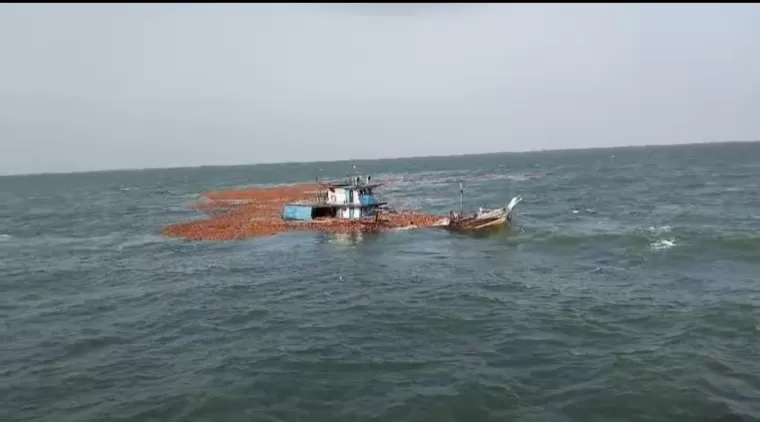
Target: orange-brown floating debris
(244,213)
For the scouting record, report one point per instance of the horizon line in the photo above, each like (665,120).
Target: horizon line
(115,170)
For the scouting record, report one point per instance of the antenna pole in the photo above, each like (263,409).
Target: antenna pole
(461,198)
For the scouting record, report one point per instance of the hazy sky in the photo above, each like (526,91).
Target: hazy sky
(86,87)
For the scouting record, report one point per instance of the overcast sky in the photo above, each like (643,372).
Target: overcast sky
(85,87)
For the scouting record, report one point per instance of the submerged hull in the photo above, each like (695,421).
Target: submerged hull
(479,224)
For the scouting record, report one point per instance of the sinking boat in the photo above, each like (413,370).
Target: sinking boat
(482,220)
(352,200)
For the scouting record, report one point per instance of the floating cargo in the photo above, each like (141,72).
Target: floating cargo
(350,207)
(255,212)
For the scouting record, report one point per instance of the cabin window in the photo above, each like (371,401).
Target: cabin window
(323,212)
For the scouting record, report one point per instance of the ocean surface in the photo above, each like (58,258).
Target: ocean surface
(627,290)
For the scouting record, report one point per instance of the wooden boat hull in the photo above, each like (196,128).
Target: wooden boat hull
(479,225)
(485,222)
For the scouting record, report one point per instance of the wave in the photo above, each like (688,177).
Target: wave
(113,241)
(142,240)
(65,241)
(655,238)
(738,242)
(577,233)
(515,177)
(430,179)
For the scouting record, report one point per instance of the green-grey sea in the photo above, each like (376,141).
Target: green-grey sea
(627,290)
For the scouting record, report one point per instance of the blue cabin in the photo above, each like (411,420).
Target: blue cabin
(352,200)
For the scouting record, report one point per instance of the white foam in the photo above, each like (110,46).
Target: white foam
(662,229)
(663,244)
(4,237)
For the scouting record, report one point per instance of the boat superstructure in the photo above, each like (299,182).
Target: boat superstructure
(350,200)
